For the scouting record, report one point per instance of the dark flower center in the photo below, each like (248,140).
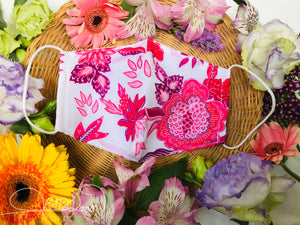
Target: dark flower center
(273,148)
(97,20)
(23,192)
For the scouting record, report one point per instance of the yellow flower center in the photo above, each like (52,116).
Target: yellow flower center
(23,192)
(96,20)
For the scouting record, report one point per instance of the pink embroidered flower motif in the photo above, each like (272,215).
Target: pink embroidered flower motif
(133,117)
(218,90)
(187,59)
(169,85)
(134,69)
(188,120)
(89,72)
(91,133)
(157,51)
(86,101)
(133,113)
(100,57)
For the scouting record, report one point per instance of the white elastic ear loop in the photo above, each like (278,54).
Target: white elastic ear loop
(267,117)
(26,88)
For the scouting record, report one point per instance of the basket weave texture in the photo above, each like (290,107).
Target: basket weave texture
(244,109)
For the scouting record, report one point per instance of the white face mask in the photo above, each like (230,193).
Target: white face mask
(142,100)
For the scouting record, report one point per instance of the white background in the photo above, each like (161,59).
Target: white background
(288,11)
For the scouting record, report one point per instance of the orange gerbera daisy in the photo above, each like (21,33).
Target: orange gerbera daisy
(94,22)
(272,142)
(34,181)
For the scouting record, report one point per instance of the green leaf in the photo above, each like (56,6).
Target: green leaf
(240,2)
(240,222)
(2,22)
(19,2)
(97,183)
(21,127)
(48,108)
(157,181)
(127,219)
(128,8)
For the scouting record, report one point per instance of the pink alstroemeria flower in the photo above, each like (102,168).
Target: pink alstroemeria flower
(273,142)
(198,14)
(246,20)
(147,14)
(93,206)
(130,181)
(174,206)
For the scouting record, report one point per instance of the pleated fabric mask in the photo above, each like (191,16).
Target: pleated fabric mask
(141,100)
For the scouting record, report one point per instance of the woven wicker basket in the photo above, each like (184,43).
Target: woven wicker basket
(244,109)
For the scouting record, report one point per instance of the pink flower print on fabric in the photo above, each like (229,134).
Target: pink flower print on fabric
(91,133)
(90,65)
(88,72)
(168,86)
(131,51)
(218,89)
(157,51)
(99,57)
(133,117)
(134,69)
(133,112)
(189,121)
(86,101)
(187,59)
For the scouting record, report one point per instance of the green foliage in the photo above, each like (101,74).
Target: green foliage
(40,119)
(128,8)
(240,2)
(20,2)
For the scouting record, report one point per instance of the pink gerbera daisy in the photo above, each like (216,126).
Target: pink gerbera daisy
(94,22)
(272,142)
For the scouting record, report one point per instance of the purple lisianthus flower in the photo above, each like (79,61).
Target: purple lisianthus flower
(12,76)
(242,187)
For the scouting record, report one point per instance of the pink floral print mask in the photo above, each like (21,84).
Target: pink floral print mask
(142,100)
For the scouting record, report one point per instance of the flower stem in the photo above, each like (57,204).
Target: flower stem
(290,172)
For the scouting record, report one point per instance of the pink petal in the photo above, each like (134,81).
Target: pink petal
(177,10)
(89,100)
(146,220)
(146,166)
(291,153)
(140,62)
(72,30)
(80,103)
(156,8)
(73,21)
(95,107)
(73,12)
(83,39)
(195,30)
(138,147)
(292,136)
(130,74)
(82,111)
(85,6)
(135,84)
(83,98)
(98,40)
(147,69)
(131,65)
(123,173)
